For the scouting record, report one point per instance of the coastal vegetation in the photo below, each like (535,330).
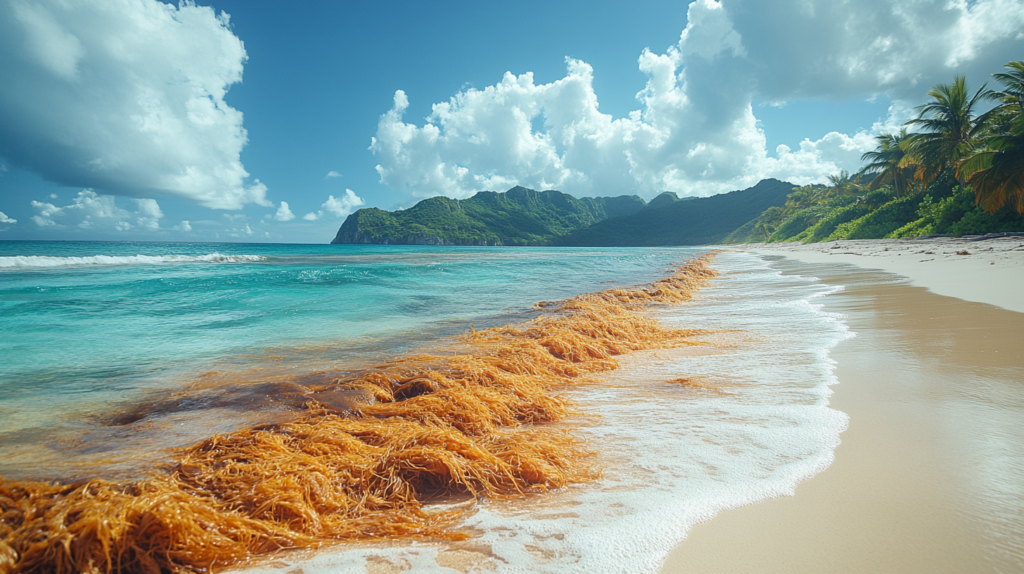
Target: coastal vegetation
(952,170)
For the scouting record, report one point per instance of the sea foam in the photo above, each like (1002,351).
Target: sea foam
(43,261)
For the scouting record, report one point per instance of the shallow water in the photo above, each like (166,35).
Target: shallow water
(115,353)
(112,352)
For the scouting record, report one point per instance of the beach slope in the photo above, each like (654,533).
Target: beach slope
(929,475)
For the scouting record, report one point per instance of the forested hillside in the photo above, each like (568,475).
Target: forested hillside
(519,216)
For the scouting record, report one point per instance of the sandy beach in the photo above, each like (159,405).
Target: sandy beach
(979,270)
(929,475)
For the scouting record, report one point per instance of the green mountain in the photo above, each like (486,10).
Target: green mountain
(519,216)
(668,220)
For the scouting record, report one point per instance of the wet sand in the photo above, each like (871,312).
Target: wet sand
(929,477)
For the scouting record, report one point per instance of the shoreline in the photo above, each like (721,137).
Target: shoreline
(927,476)
(978,270)
(710,440)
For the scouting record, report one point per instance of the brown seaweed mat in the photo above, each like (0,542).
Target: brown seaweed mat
(472,422)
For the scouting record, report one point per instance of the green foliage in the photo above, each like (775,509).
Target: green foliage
(749,232)
(833,219)
(518,217)
(915,228)
(880,222)
(759,229)
(951,128)
(958,215)
(886,163)
(798,222)
(803,197)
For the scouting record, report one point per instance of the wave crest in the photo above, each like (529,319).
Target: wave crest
(44,262)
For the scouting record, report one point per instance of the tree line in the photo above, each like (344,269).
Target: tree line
(953,169)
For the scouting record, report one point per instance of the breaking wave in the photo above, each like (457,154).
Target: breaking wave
(43,262)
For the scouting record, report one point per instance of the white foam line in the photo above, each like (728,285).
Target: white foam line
(47,262)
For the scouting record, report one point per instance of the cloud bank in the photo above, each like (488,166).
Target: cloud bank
(92,211)
(125,96)
(696,131)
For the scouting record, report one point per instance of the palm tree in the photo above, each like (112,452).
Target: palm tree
(951,130)
(769,221)
(803,197)
(1013,80)
(997,172)
(842,184)
(885,162)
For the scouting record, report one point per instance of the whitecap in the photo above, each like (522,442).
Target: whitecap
(45,261)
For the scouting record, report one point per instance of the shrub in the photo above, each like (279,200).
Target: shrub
(881,222)
(956,214)
(798,222)
(834,219)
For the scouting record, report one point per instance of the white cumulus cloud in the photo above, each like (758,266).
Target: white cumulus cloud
(90,210)
(331,174)
(184,227)
(284,213)
(339,207)
(5,219)
(125,96)
(695,131)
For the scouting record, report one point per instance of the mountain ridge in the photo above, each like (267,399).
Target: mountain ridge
(519,216)
(685,221)
(523,216)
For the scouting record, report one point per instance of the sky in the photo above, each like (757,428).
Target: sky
(136,120)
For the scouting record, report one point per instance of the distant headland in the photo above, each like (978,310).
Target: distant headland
(522,216)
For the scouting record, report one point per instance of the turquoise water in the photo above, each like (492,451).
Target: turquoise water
(91,330)
(113,354)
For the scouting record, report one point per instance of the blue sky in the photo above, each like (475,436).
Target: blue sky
(125,119)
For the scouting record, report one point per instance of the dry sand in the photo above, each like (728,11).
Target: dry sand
(984,271)
(930,475)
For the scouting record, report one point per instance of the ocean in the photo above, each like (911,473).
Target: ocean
(113,355)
